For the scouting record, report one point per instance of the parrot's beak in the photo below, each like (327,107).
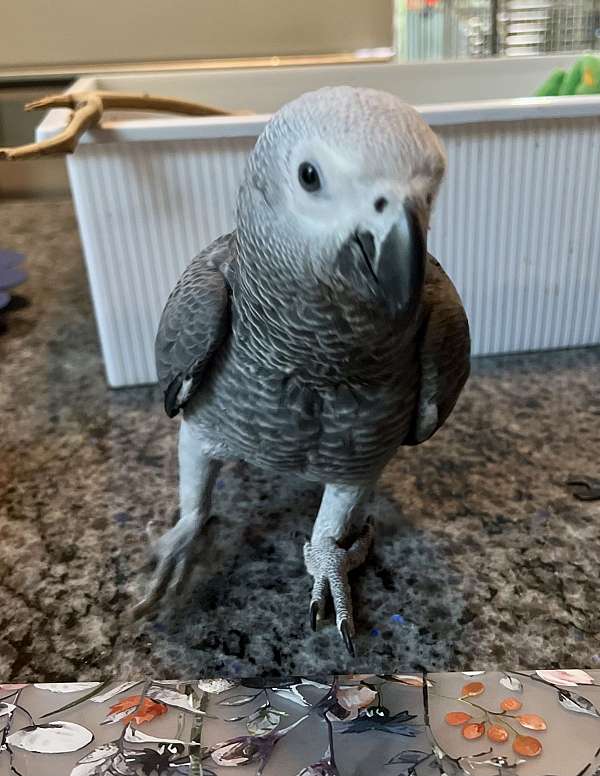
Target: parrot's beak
(400,263)
(394,272)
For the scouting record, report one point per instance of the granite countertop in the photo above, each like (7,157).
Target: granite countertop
(483,557)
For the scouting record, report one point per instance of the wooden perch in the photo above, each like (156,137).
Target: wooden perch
(87,109)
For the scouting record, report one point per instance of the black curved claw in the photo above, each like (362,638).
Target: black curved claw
(584,488)
(345,631)
(314,611)
(148,606)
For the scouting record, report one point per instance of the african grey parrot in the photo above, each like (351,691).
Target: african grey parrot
(319,335)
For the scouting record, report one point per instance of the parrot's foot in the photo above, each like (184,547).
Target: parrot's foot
(329,565)
(174,553)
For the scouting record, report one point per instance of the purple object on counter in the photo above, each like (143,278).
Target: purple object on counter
(14,276)
(11,274)
(9,259)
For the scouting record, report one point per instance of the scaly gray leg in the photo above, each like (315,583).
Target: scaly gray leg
(328,563)
(174,550)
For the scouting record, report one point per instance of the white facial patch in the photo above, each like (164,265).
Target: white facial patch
(333,208)
(346,200)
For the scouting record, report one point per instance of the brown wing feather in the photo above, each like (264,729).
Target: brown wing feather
(444,354)
(194,323)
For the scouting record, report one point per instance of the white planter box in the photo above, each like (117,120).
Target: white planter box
(517,224)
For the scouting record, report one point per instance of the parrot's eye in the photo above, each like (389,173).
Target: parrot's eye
(309,177)
(429,199)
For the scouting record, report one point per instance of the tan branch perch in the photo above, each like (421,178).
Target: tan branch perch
(88,108)
(122,100)
(87,115)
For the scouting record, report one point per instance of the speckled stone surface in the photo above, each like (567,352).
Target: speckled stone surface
(481,549)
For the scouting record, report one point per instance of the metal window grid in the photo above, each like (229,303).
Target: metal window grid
(451,29)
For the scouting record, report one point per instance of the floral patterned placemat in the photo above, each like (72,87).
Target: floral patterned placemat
(543,723)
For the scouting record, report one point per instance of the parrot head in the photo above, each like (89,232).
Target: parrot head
(340,187)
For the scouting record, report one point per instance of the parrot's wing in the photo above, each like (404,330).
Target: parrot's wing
(194,323)
(444,354)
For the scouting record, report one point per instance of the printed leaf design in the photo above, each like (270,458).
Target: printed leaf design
(244,750)
(292,694)
(313,683)
(236,719)
(110,693)
(511,704)
(352,699)
(411,756)
(238,700)
(503,765)
(472,690)
(473,730)
(113,760)
(497,733)
(172,698)
(7,709)
(566,678)
(116,716)
(448,766)
(215,686)
(66,687)
(532,722)
(233,754)
(264,720)
(456,718)
(527,746)
(97,762)
(127,711)
(511,683)
(136,736)
(52,738)
(573,702)
(409,679)
(97,688)
(398,724)
(153,761)
(322,768)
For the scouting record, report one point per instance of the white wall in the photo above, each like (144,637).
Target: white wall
(56,32)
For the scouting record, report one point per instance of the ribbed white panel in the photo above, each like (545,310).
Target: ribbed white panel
(517,227)
(144,211)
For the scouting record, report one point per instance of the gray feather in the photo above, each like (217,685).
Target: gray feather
(194,324)
(444,354)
